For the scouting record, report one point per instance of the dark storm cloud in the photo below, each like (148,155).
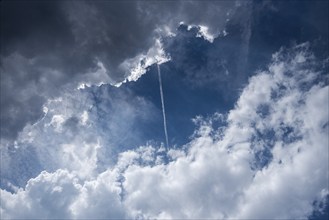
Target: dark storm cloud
(48,44)
(75,33)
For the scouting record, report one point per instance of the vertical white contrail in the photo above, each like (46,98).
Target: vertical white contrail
(163,107)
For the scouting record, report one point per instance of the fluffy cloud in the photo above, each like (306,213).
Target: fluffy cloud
(283,112)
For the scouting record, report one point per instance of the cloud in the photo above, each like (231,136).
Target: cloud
(138,65)
(254,31)
(216,57)
(283,110)
(43,196)
(67,44)
(81,131)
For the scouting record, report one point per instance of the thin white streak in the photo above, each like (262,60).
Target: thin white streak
(163,107)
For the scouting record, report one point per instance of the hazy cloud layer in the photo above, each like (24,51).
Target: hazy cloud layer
(282,112)
(82,131)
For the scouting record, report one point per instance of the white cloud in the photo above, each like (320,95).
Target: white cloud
(203,31)
(46,196)
(137,66)
(214,178)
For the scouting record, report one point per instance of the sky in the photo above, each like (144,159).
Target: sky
(245,103)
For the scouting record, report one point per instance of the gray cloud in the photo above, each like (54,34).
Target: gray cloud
(48,45)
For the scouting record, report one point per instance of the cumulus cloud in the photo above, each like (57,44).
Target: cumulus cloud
(283,111)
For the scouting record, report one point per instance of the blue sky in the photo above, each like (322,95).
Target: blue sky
(246,98)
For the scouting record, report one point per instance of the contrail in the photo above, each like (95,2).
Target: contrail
(163,107)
